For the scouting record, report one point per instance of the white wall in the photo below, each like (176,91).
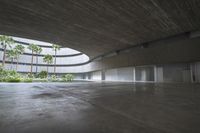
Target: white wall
(120,74)
(59,60)
(111,75)
(69,69)
(49,50)
(96,75)
(67,60)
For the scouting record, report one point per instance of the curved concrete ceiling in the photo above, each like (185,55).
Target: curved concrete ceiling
(96,27)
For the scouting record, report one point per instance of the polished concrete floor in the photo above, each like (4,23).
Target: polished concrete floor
(99,108)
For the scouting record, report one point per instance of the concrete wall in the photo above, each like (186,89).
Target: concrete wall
(78,76)
(96,75)
(111,75)
(177,73)
(144,73)
(158,73)
(195,72)
(59,60)
(120,74)
(130,74)
(179,49)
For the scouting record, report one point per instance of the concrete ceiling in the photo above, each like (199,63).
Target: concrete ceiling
(96,27)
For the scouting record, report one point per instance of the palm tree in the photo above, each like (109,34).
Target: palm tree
(49,60)
(11,54)
(38,51)
(33,49)
(55,49)
(19,51)
(5,41)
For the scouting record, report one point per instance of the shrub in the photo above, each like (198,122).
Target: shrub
(10,76)
(42,74)
(29,75)
(67,77)
(13,79)
(40,80)
(13,76)
(27,80)
(54,78)
(3,74)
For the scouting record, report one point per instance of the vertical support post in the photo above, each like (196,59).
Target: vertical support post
(103,77)
(155,74)
(134,78)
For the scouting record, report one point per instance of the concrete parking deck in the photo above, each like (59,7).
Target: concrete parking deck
(99,108)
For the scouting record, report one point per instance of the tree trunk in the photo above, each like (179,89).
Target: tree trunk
(55,62)
(37,64)
(32,63)
(12,64)
(4,57)
(17,63)
(47,70)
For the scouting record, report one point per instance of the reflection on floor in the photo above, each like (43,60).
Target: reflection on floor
(99,108)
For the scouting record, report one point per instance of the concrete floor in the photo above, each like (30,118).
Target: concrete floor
(99,108)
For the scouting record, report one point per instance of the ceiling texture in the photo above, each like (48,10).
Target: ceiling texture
(96,27)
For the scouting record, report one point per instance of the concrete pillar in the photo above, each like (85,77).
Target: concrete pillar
(103,77)
(159,76)
(192,72)
(134,78)
(155,74)
(143,75)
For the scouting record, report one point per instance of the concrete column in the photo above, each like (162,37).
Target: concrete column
(103,77)
(134,78)
(159,72)
(155,74)
(192,72)
(143,75)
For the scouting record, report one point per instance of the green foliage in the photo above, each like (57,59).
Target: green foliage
(3,74)
(38,50)
(55,47)
(27,79)
(6,41)
(42,74)
(19,49)
(11,54)
(33,48)
(13,76)
(67,78)
(29,75)
(40,80)
(9,76)
(48,59)
(54,78)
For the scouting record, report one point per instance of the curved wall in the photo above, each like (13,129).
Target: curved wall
(157,60)
(67,60)
(63,69)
